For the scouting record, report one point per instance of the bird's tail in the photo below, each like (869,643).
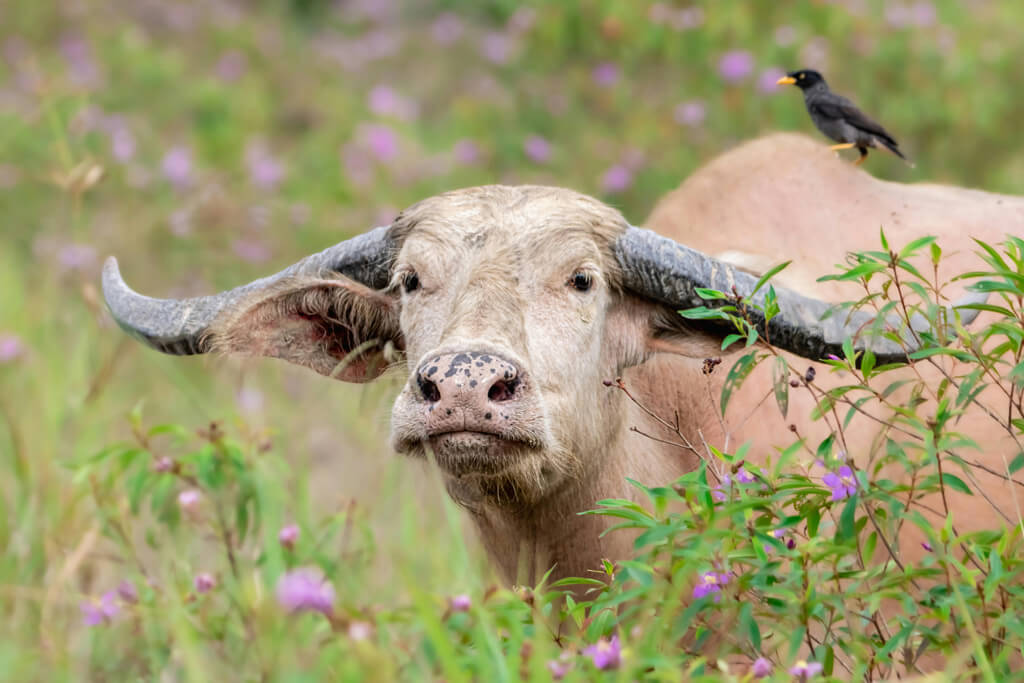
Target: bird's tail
(894,148)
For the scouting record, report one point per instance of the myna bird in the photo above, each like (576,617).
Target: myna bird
(838,117)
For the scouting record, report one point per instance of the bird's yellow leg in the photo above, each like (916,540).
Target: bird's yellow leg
(863,158)
(844,145)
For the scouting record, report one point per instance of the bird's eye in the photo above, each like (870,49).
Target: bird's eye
(800,76)
(581,281)
(411,282)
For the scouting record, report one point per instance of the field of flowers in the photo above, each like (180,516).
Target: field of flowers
(208,519)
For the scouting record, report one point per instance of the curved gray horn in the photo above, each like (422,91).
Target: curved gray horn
(666,271)
(178,326)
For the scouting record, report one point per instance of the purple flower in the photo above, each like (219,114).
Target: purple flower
(466,152)
(708,583)
(265,172)
(762,668)
(833,356)
(447,28)
(231,66)
(927,546)
(815,53)
(127,591)
(204,582)
(605,74)
(288,535)
(606,654)
(767,81)
(82,67)
(616,179)
(11,347)
(691,113)
(537,149)
(460,603)
(923,13)
(163,464)
(96,612)
(177,167)
(806,670)
(843,484)
(305,588)
(744,477)
(735,65)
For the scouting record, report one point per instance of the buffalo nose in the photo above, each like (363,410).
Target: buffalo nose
(468,379)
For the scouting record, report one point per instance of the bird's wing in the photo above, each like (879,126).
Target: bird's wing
(833,106)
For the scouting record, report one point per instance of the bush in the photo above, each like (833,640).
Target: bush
(798,564)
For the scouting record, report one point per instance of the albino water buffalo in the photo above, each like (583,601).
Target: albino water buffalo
(508,307)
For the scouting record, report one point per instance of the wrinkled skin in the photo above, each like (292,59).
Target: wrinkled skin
(492,279)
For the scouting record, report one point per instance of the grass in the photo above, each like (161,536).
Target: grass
(296,80)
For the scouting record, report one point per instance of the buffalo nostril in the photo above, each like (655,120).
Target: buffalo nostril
(502,390)
(428,389)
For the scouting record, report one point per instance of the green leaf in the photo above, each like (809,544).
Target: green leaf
(769,274)
(1017,463)
(845,530)
(780,381)
(956,483)
(915,245)
(942,351)
(748,625)
(709,294)
(740,370)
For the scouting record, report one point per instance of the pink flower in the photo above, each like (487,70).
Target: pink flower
(606,654)
(177,167)
(204,582)
(385,101)
(288,535)
(605,74)
(736,65)
(382,142)
(447,28)
(767,81)
(805,670)
(617,179)
(359,630)
(305,589)
(72,257)
(231,66)
(762,668)
(460,603)
(188,500)
(11,347)
(691,113)
(497,48)
(265,172)
(251,250)
(559,668)
(96,612)
(537,149)
(127,591)
(843,483)
(122,144)
(466,152)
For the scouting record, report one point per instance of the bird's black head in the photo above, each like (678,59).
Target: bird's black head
(803,79)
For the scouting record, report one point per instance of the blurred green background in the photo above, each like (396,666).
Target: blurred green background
(208,143)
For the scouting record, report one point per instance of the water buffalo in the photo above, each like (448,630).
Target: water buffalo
(507,308)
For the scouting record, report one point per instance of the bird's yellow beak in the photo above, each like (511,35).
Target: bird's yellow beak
(786,80)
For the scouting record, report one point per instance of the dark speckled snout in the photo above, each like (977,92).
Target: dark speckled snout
(468,391)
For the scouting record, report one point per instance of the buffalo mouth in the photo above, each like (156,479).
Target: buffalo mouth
(463,452)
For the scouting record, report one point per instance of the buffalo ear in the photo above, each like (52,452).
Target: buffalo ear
(337,327)
(641,328)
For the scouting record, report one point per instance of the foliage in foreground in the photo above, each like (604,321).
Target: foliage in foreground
(798,565)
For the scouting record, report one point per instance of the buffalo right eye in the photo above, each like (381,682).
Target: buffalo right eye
(411,282)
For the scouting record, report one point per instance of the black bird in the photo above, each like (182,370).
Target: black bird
(838,117)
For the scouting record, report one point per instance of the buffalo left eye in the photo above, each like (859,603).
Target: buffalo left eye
(581,281)
(410,283)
